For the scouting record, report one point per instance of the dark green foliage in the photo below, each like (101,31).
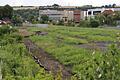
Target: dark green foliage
(27,15)
(70,23)
(101,18)
(84,23)
(18,65)
(108,19)
(7,36)
(15,61)
(61,22)
(6,12)
(5,30)
(117,15)
(17,37)
(94,23)
(17,20)
(44,19)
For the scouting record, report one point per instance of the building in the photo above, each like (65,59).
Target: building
(53,15)
(91,13)
(68,15)
(73,13)
(77,16)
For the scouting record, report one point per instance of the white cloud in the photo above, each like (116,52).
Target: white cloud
(61,2)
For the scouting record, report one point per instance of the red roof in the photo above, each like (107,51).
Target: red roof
(107,12)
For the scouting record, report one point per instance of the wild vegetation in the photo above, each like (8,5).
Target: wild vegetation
(15,61)
(99,60)
(20,16)
(90,53)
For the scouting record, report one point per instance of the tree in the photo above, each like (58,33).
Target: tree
(17,20)
(44,18)
(114,5)
(1,12)
(55,5)
(8,11)
(117,15)
(108,18)
(101,18)
(94,23)
(28,15)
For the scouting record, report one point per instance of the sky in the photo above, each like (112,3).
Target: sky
(60,2)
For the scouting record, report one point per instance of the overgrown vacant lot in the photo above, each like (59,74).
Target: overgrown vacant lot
(88,52)
(16,63)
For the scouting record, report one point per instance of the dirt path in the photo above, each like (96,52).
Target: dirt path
(44,59)
(47,61)
(98,45)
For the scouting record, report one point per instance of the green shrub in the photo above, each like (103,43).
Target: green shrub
(61,22)
(94,23)
(84,23)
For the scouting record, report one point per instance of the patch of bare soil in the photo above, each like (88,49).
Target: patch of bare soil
(23,32)
(80,37)
(41,33)
(103,34)
(46,61)
(97,45)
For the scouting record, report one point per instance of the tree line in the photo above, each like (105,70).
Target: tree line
(6,12)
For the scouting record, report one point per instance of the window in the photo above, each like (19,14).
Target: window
(96,12)
(89,12)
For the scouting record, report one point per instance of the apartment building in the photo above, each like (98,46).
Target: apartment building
(74,14)
(53,15)
(68,15)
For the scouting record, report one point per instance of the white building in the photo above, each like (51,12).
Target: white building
(90,13)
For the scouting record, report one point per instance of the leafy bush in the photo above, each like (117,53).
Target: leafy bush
(8,35)
(84,23)
(17,37)
(61,22)
(15,61)
(4,30)
(94,23)
(70,23)
(44,19)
